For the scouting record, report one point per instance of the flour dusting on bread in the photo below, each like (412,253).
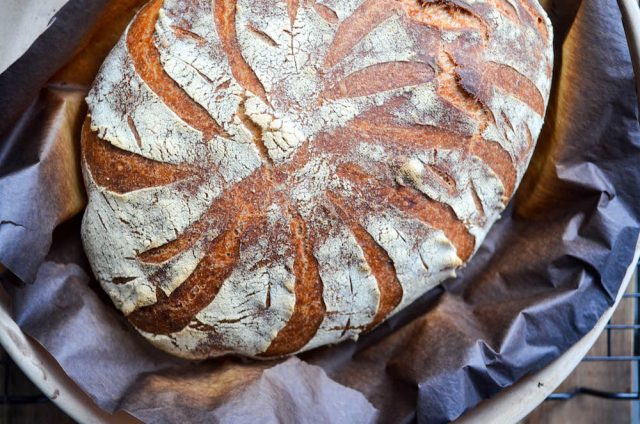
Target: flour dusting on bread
(289,174)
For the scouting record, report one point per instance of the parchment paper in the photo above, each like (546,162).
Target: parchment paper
(22,21)
(546,272)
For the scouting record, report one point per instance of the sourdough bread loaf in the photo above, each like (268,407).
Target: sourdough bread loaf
(269,176)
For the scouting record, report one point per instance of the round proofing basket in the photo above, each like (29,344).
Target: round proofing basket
(509,406)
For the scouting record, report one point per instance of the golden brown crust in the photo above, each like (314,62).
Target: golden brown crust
(174,312)
(163,253)
(309,310)
(379,261)
(408,129)
(238,214)
(356,26)
(371,79)
(480,79)
(121,171)
(414,204)
(147,63)
(225,19)
(499,161)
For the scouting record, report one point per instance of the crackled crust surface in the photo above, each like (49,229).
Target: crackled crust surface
(269,176)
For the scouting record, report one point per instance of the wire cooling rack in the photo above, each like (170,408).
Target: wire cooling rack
(7,397)
(612,357)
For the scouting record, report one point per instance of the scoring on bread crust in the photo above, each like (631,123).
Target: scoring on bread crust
(269,176)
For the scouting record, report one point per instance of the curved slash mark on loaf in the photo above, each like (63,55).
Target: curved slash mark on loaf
(182,32)
(326,13)
(256,133)
(292,9)
(226,206)
(146,60)
(377,259)
(443,177)
(122,280)
(476,82)
(309,309)
(134,130)
(262,35)
(396,136)
(412,203)
(356,27)
(530,140)
(169,250)
(479,80)
(533,14)
(372,79)
(224,16)
(513,82)
(121,171)
(173,313)
(450,89)
(446,14)
(469,91)
(498,159)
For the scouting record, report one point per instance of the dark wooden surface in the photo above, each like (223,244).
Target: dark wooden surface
(607,376)
(14,383)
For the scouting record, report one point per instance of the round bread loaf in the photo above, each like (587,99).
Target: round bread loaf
(269,176)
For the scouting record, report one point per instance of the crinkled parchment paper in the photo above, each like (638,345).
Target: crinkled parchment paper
(546,272)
